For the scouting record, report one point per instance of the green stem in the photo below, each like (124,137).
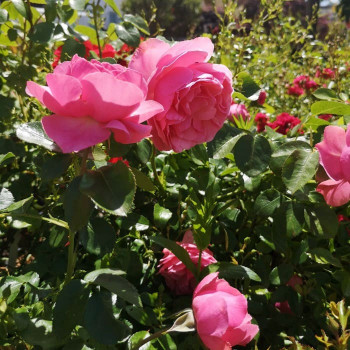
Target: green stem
(94,13)
(154,168)
(151,337)
(199,264)
(72,257)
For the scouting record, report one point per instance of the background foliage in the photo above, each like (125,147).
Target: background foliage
(250,195)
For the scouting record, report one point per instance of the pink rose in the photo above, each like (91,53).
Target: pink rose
(196,95)
(295,90)
(238,110)
(177,277)
(89,100)
(261,120)
(334,153)
(221,314)
(284,122)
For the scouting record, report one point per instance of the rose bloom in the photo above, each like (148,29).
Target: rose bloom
(221,314)
(295,90)
(261,120)
(238,110)
(107,51)
(177,277)
(196,95)
(283,306)
(325,116)
(284,122)
(325,73)
(89,100)
(262,98)
(334,153)
(304,82)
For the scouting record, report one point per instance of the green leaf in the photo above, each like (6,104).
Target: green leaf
(77,206)
(299,168)
(142,180)
(288,221)
(324,256)
(42,32)
(100,322)
(252,154)
(137,338)
(88,31)
(281,274)
(111,187)
(223,142)
(111,280)
(267,202)
(144,316)
(78,5)
(325,94)
(12,34)
(280,155)
(98,237)
(6,198)
(55,166)
(114,7)
(4,157)
(314,123)
(33,132)
(161,216)
(250,88)
(72,47)
(50,10)
(4,16)
(138,221)
(330,107)
(65,12)
(20,206)
(69,308)
(128,34)
(231,271)
(20,7)
(138,22)
(144,150)
(177,250)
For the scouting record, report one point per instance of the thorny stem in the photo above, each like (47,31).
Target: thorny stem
(151,337)
(154,168)
(94,13)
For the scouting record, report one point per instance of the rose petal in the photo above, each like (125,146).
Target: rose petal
(146,110)
(128,131)
(147,55)
(109,97)
(74,134)
(330,150)
(335,193)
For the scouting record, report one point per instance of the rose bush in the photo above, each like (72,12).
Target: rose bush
(196,95)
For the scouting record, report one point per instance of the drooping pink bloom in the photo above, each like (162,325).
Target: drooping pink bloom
(196,95)
(284,122)
(295,90)
(334,153)
(177,277)
(261,120)
(237,111)
(89,100)
(283,306)
(221,314)
(262,98)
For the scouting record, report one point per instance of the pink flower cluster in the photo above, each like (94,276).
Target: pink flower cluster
(334,153)
(184,99)
(301,84)
(283,123)
(220,311)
